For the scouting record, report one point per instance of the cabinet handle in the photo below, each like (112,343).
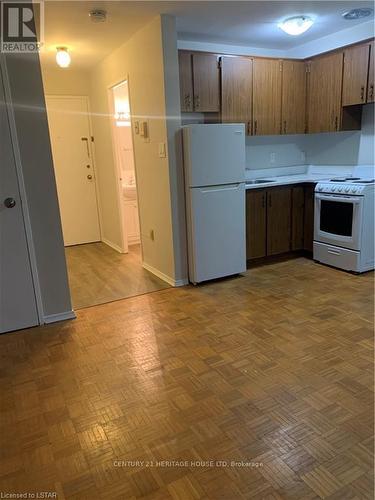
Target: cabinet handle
(255,127)
(196,102)
(284,126)
(362,93)
(187,101)
(371,93)
(336,123)
(248,128)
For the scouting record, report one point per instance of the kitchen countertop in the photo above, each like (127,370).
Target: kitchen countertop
(284,180)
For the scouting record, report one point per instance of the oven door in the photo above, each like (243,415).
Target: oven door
(338,220)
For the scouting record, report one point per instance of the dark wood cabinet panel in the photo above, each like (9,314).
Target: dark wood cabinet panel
(324,93)
(279,202)
(256,224)
(298,203)
(237,90)
(370,87)
(206,83)
(266,96)
(308,234)
(354,86)
(186,80)
(293,103)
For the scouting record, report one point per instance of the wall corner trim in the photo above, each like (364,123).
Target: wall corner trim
(53,318)
(164,277)
(112,245)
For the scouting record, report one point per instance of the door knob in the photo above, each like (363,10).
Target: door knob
(10,202)
(89,177)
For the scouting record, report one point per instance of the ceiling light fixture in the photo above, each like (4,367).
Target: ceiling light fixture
(63,58)
(296,25)
(353,14)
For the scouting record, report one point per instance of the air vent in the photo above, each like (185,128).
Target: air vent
(98,16)
(353,14)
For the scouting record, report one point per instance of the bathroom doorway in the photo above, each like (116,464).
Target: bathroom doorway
(124,159)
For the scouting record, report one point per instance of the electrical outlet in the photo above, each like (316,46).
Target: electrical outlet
(273,158)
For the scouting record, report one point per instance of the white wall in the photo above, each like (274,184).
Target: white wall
(65,81)
(142,60)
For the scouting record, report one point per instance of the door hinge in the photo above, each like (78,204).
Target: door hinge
(307,67)
(281,65)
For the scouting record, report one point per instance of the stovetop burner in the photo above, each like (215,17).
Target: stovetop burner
(345,179)
(367,181)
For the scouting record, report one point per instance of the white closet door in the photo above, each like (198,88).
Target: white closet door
(17,299)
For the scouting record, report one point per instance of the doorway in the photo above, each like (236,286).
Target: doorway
(99,272)
(125,165)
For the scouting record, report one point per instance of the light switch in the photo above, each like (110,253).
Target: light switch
(162,150)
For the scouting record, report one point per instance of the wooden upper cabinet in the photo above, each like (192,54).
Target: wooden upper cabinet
(370,88)
(266,96)
(186,80)
(236,90)
(354,86)
(324,93)
(293,103)
(206,83)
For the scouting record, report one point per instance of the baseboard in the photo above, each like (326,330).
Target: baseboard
(53,318)
(164,277)
(133,240)
(112,245)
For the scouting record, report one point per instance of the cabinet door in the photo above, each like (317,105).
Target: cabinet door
(293,103)
(279,202)
(308,233)
(237,90)
(206,83)
(255,224)
(298,202)
(370,88)
(186,80)
(356,60)
(266,96)
(324,93)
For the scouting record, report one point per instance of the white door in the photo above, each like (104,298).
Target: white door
(17,299)
(69,128)
(216,227)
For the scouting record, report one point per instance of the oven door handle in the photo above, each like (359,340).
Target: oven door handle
(356,200)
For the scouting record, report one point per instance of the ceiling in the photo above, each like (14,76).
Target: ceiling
(251,23)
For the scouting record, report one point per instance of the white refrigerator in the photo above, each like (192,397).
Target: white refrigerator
(214,164)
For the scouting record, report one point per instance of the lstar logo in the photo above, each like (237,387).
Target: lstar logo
(22,26)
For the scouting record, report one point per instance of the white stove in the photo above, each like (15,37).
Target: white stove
(344,223)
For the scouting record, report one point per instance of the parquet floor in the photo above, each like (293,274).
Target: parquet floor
(98,274)
(272,371)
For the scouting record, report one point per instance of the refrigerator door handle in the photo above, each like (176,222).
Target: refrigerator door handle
(224,187)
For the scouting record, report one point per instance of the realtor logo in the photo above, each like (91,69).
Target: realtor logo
(22,26)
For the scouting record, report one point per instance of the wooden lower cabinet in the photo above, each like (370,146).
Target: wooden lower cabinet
(298,204)
(279,220)
(256,224)
(279,203)
(308,233)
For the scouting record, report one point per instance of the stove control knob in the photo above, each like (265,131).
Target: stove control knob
(333,189)
(347,190)
(339,189)
(354,190)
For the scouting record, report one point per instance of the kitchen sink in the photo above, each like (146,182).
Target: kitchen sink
(260,181)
